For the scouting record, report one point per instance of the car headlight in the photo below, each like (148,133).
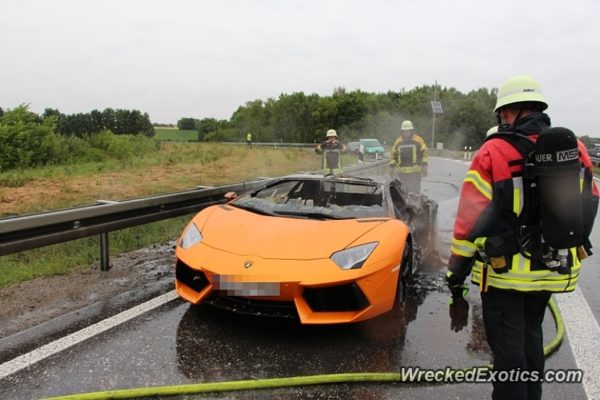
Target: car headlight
(354,257)
(190,237)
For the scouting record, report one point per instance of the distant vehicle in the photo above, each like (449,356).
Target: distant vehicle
(370,149)
(353,147)
(324,249)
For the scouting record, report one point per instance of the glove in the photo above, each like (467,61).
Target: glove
(459,313)
(424,171)
(458,305)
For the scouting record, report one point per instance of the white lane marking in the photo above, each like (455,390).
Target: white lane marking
(583,333)
(25,360)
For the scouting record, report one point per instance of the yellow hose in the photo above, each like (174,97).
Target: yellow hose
(273,383)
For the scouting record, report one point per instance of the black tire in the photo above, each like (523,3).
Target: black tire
(407,268)
(404,275)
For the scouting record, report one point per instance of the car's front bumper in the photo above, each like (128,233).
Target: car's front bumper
(316,290)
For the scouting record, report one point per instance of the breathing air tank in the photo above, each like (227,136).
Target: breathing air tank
(557,173)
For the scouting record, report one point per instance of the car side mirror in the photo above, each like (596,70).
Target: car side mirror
(230,196)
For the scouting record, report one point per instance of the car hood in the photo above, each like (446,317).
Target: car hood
(246,233)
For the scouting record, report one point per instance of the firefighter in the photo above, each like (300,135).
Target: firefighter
(332,150)
(492,230)
(409,158)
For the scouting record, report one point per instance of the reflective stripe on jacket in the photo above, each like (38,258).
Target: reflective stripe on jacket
(491,200)
(523,279)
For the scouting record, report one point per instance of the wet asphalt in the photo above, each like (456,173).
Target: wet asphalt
(178,343)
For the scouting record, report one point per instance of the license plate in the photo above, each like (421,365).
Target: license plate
(234,287)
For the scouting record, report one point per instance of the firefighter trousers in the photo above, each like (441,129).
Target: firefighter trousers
(513,326)
(411,181)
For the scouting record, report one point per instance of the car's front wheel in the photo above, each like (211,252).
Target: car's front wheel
(405,275)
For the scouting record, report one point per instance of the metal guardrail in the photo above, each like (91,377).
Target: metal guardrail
(273,144)
(259,144)
(25,232)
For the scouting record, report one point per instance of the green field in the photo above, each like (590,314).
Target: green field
(175,134)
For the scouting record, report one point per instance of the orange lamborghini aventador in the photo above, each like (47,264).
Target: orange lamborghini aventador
(323,249)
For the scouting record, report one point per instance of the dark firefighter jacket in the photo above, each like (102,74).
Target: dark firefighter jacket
(332,151)
(409,155)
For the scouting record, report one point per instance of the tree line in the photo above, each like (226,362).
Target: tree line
(300,117)
(117,121)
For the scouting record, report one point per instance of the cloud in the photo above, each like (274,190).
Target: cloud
(204,59)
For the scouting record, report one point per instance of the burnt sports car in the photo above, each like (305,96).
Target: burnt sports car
(324,249)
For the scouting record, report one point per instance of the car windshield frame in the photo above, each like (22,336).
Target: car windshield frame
(319,199)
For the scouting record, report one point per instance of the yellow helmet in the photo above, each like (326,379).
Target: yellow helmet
(331,132)
(407,126)
(518,89)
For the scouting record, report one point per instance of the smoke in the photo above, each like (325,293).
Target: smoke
(456,140)
(382,125)
(385,126)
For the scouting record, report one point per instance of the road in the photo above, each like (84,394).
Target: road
(176,344)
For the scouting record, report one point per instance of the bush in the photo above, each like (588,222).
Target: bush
(74,149)
(26,141)
(224,135)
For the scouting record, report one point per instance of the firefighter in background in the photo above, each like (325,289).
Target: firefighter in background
(501,224)
(468,153)
(249,139)
(409,158)
(332,150)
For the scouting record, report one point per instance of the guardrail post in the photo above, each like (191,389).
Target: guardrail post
(104,254)
(104,257)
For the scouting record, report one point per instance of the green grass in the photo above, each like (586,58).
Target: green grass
(62,258)
(175,135)
(171,153)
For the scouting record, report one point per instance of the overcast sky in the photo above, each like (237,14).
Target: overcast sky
(193,58)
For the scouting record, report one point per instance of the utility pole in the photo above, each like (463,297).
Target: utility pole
(436,108)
